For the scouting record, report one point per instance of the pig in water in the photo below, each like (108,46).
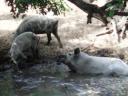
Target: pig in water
(82,63)
(24,48)
(40,25)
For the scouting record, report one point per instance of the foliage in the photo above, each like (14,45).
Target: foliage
(118,5)
(20,6)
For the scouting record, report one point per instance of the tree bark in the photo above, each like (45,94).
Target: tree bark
(92,10)
(98,12)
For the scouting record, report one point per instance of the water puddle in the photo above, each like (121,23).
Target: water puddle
(37,83)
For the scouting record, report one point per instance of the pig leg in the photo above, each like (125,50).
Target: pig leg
(37,54)
(58,38)
(15,67)
(49,38)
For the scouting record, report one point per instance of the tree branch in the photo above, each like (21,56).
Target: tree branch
(92,10)
(98,12)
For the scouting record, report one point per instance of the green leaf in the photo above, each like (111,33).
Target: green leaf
(58,6)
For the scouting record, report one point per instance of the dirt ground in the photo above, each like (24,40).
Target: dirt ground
(73,31)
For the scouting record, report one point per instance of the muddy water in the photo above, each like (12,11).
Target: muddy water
(35,82)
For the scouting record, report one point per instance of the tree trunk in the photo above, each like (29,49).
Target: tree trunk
(99,12)
(92,10)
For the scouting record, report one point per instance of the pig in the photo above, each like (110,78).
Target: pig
(40,25)
(24,48)
(82,63)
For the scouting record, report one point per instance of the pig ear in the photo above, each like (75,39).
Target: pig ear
(76,51)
